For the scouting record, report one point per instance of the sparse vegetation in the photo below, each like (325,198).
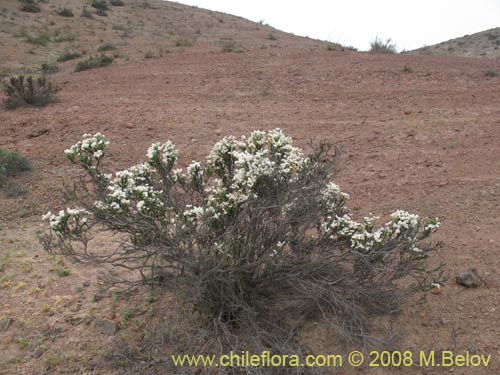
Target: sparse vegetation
(334,47)
(86,12)
(232,46)
(106,47)
(64,38)
(407,69)
(69,56)
(94,62)
(149,55)
(379,45)
(42,39)
(491,72)
(23,343)
(65,12)
(12,163)
(271,36)
(21,90)
(183,42)
(29,6)
(49,68)
(63,272)
(117,3)
(100,5)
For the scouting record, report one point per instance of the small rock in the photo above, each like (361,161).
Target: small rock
(437,290)
(85,284)
(445,322)
(469,278)
(105,326)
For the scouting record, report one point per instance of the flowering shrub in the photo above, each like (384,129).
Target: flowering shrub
(257,223)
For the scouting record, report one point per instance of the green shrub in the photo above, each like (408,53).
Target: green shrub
(100,5)
(94,62)
(271,36)
(29,6)
(42,39)
(49,68)
(65,12)
(232,46)
(334,47)
(491,72)
(64,38)
(69,56)
(12,163)
(28,91)
(106,47)
(149,55)
(255,238)
(117,3)
(382,46)
(86,13)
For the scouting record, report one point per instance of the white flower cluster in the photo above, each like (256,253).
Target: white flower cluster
(403,221)
(193,213)
(84,151)
(195,173)
(362,237)
(162,156)
(66,220)
(331,197)
(242,164)
(221,157)
(132,189)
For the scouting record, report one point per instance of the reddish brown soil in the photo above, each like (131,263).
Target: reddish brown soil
(426,141)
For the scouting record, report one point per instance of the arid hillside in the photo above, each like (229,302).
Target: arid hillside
(482,44)
(133,32)
(417,132)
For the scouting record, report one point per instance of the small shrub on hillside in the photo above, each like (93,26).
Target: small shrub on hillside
(49,68)
(271,36)
(491,72)
(86,13)
(100,5)
(407,69)
(29,6)
(94,62)
(69,56)
(12,163)
(232,46)
(257,238)
(22,90)
(65,12)
(334,47)
(42,39)
(101,13)
(64,38)
(149,55)
(382,46)
(106,47)
(183,42)
(117,3)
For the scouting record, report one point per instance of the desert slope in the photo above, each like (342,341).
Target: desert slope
(483,44)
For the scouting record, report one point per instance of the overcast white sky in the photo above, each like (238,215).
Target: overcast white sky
(410,23)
